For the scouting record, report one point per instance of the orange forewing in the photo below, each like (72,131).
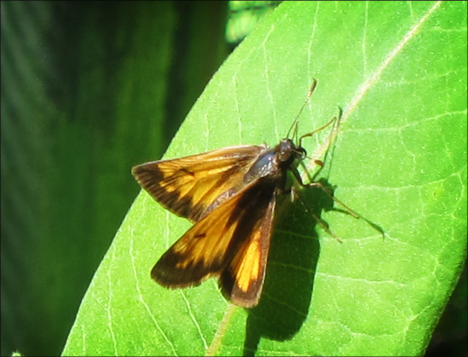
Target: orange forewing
(193,186)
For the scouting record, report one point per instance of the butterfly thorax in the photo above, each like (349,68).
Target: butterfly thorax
(274,162)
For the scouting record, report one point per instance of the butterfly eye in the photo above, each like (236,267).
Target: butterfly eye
(284,156)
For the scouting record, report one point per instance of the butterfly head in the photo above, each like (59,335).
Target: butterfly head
(288,152)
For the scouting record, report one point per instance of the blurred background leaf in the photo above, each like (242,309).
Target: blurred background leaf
(91,89)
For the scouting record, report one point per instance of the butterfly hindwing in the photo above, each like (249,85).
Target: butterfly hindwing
(193,186)
(242,280)
(232,242)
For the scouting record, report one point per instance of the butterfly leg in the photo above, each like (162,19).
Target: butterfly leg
(329,192)
(347,209)
(320,221)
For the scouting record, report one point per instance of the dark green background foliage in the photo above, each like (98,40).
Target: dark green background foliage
(88,90)
(91,89)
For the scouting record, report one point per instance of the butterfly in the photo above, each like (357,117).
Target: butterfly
(231,196)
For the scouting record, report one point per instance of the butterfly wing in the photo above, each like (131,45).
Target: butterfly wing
(195,185)
(231,242)
(242,280)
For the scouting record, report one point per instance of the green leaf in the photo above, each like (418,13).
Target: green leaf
(398,71)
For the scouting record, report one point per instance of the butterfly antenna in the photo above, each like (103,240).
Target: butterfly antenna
(309,94)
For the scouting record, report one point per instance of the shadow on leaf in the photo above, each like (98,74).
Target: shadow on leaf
(294,253)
